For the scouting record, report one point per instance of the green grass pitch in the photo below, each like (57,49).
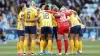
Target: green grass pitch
(89,49)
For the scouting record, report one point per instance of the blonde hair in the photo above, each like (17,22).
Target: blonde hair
(32,3)
(64,8)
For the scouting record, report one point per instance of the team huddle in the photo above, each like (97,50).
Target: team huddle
(41,25)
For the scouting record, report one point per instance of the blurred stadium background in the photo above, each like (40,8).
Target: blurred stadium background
(88,10)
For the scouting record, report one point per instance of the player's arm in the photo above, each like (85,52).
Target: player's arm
(38,26)
(29,20)
(22,21)
(34,14)
(69,21)
(37,18)
(34,20)
(58,15)
(79,20)
(77,16)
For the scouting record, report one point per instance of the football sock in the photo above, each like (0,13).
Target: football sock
(25,45)
(80,45)
(66,46)
(49,45)
(21,45)
(45,45)
(71,46)
(59,45)
(18,48)
(41,45)
(33,45)
(76,45)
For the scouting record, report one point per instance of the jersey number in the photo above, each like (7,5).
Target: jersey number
(22,17)
(63,18)
(28,15)
(46,15)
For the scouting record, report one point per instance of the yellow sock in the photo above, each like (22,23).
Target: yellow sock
(76,46)
(80,45)
(49,45)
(18,48)
(71,46)
(21,46)
(33,45)
(41,45)
(45,45)
(25,45)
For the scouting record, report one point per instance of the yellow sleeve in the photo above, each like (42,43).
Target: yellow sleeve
(25,14)
(18,17)
(35,12)
(72,16)
(54,23)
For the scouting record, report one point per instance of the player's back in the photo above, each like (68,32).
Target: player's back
(19,23)
(30,14)
(74,20)
(62,20)
(46,19)
(54,20)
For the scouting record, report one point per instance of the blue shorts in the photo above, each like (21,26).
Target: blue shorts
(82,31)
(1,30)
(30,29)
(46,30)
(55,30)
(20,33)
(75,29)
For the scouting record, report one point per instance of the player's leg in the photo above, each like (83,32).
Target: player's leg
(18,48)
(43,30)
(66,43)
(29,44)
(33,37)
(26,37)
(80,40)
(45,43)
(42,44)
(50,44)
(49,37)
(18,45)
(80,45)
(66,32)
(3,36)
(21,38)
(71,39)
(55,29)
(76,43)
(78,28)
(59,38)
(59,44)
(0,33)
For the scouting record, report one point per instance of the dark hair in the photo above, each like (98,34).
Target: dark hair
(46,7)
(54,8)
(20,7)
(41,5)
